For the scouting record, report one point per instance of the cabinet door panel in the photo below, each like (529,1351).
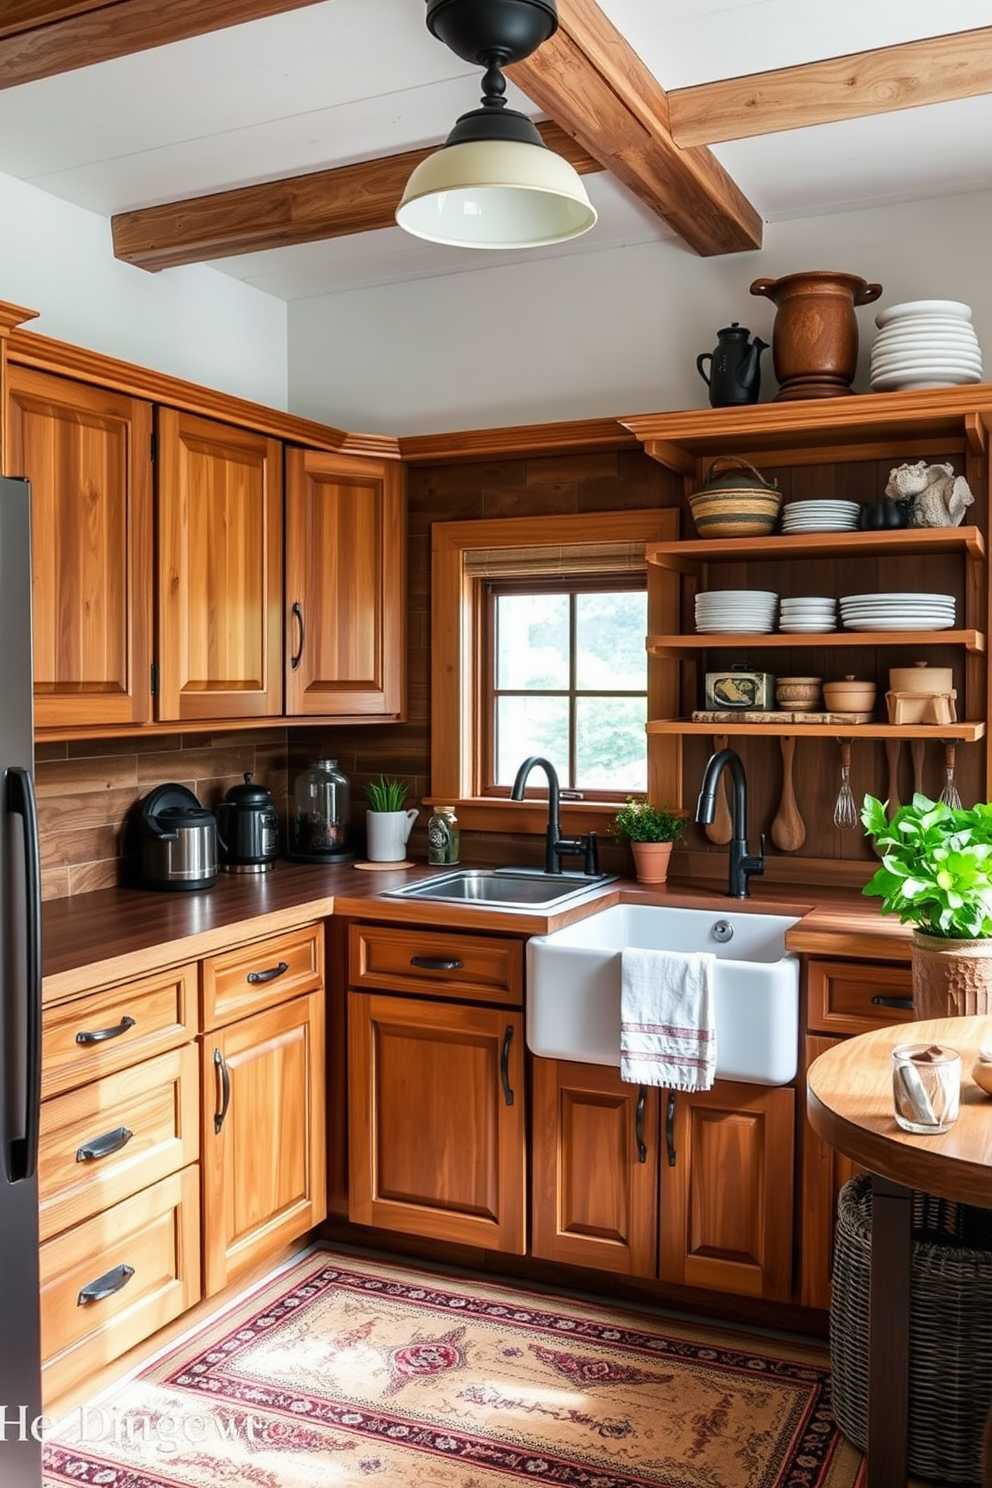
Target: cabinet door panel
(220,589)
(263,1171)
(435,1148)
(726,1204)
(87,454)
(345,582)
(594,1200)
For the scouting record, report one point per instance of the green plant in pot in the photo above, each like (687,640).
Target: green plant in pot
(387,825)
(652,832)
(936,875)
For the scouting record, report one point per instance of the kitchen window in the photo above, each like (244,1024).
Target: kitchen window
(552,579)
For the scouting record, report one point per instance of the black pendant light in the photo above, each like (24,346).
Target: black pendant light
(494,183)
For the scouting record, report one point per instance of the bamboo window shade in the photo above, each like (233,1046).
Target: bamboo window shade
(565,560)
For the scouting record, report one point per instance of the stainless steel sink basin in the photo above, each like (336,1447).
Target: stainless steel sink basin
(509,888)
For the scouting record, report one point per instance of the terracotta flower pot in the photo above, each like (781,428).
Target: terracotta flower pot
(951,978)
(815,334)
(651,861)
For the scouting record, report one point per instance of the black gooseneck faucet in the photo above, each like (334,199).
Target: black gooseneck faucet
(555,846)
(742,863)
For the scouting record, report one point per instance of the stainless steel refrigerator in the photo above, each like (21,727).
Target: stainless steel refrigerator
(20,1009)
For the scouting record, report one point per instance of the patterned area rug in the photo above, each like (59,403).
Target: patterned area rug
(340,1371)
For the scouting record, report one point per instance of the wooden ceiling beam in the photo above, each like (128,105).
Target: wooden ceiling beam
(39,38)
(299,209)
(590,81)
(937,70)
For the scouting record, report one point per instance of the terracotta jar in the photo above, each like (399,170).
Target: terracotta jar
(815,334)
(651,861)
(951,978)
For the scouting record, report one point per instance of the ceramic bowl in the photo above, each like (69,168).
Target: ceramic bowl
(849,696)
(798,694)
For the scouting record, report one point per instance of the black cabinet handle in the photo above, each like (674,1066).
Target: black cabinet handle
(21,1145)
(905,1003)
(225,1091)
(435,963)
(105,1285)
(504,1065)
(100,1035)
(111,1141)
(642,1151)
(297,655)
(269,975)
(670,1128)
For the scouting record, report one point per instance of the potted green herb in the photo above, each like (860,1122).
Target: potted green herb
(387,825)
(936,875)
(652,832)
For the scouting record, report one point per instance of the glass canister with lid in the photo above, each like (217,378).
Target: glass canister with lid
(443,836)
(321,814)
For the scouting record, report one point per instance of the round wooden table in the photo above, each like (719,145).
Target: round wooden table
(849,1104)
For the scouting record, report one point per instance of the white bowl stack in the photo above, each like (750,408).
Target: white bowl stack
(897,611)
(820,516)
(736,611)
(810,615)
(925,344)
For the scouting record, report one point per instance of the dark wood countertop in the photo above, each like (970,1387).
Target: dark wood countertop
(99,937)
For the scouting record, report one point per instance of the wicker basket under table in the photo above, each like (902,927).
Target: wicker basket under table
(950,1330)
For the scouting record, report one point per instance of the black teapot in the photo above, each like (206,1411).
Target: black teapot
(734,376)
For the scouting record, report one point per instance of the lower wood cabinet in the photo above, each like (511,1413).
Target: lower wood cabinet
(824,1173)
(436,1114)
(698,1192)
(263,1137)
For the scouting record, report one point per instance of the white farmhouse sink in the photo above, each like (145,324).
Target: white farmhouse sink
(573,986)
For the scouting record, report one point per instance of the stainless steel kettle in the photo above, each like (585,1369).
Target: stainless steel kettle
(247,828)
(178,840)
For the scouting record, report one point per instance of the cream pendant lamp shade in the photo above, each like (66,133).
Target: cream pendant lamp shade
(494,184)
(495,194)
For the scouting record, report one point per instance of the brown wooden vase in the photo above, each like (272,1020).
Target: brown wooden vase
(951,978)
(815,334)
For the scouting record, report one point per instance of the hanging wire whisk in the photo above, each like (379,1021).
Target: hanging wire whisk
(845,810)
(949,795)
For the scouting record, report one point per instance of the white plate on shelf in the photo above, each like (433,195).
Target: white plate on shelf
(913,309)
(922,363)
(892,623)
(913,598)
(908,382)
(806,627)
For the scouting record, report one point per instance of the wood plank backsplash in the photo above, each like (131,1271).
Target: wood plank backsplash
(87,788)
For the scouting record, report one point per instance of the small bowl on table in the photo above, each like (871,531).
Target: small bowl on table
(798,694)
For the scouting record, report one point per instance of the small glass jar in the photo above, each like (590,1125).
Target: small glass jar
(926,1087)
(322,813)
(443,836)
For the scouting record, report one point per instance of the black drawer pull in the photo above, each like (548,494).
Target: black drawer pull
(111,1141)
(642,1151)
(905,1003)
(225,1091)
(105,1285)
(504,1065)
(100,1035)
(269,975)
(435,963)
(670,1128)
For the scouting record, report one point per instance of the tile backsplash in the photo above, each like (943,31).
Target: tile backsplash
(87,787)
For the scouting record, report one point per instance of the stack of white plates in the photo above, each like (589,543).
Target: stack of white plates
(897,611)
(923,344)
(820,516)
(809,615)
(744,611)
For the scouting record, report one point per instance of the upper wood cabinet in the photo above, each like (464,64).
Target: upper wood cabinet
(345,585)
(87,454)
(219,570)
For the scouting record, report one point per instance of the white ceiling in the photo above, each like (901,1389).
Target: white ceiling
(349,79)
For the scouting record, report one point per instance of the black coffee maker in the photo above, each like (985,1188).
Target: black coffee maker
(247,829)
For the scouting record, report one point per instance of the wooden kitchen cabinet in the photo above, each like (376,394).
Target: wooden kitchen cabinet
(345,603)
(824,1173)
(436,1115)
(87,453)
(219,570)
(594,1178)
(262,1137)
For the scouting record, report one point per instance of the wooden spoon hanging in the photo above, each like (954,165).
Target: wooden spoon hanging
(788,828)
(917,749)
(893,748)
(721,828)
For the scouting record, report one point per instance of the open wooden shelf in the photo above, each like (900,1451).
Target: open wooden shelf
(965,733)
(681,645)
(689,556)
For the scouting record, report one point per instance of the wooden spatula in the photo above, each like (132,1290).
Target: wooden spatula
(721,828)
(788,828)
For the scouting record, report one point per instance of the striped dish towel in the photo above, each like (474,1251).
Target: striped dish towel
(667,1034)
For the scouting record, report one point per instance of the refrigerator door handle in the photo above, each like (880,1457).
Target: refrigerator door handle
(22,1149)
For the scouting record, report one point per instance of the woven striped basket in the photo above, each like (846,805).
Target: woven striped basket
(950,1331)
(736,501)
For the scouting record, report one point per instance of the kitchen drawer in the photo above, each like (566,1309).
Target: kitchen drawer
(113,1027)
(156,1235)
(475,968)
(147,1119)
(853,996)
(261,974)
